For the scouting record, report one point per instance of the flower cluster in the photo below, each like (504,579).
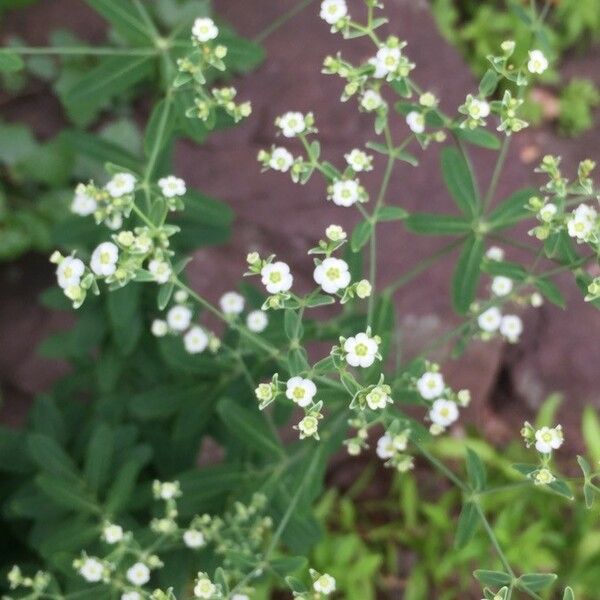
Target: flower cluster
(545,440)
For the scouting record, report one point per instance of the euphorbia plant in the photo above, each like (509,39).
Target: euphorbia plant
(267,377)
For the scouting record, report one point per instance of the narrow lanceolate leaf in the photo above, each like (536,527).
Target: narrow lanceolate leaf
(476,471)
(478,137)
(536,581)
(361,235)
(569,594)
(65,494)
(458,180)
(492,578)
(511,211)
(391,213)
(99,455)
(505,268)
(467,524)
(467,273)
(10,62)
(550,291)
(432,224)
(125,19)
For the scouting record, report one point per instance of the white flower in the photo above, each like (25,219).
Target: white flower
(378,398)
(536,299)
(204,29)
(138,574)
(490,319)
(478,109)
(371,100)
(443,412)
(92,570)
(386,61)
(333,10)
(69,272)
(104,259)
(276,277)
(166,490)
(308,426)
(114,221)
(204,587)
(325,584)
(281,160)
(361,350)
(543,477)
(172,186)
(335,233)
(431,385)
(511,327)
(581,222)
(548,439)
(332,275)
(121,184)
(112,534)
(232,303)
(195,340)
(193,538)
(502,286)
(131,596)
(240,597)
(291,124)
(385,447)
(359,160)
(159,328)
(364,289)
(179,317)
(83,205)
(301,391)
(160,270)
(415,121)
(548,211)
(345,192)
(257,321)
(538,63)
(495,253)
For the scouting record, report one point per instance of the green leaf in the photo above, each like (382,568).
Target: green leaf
(467,525)
(590,426)
(476,471)
(65,494)
(320,300)
(536,581)
(589,494)
(50,457)
(125,19)
(561,488)
(164,294)
(292,324)
(250,427)
(10,62)
(505,268)
(432,224)
(98,459)
(493,578)
(489,82)
(160,127)
(457,177)
(569,594)
(125,317)
(297,361)
(550,291)
(361,234)
(391,213)
(546,416)
(288,564)
(478,137)
(467,273)
(511,211)
(125,479)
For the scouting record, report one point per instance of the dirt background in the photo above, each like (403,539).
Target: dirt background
(559,349)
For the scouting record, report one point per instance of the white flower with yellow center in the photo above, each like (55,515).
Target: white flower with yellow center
(415,121)
(543,477)
(335,233)
(257,321)
(281,160)
(112,533)
(361,350)
(443,412)
(495,253)
(385,447)
(537,63)
(371,100)
(232,303)
(511,327)
(548,212)
(195,340)
(69,272)
(159,328)
(386,61)
(431,385)
(83,204)
(160,270)
(502,286)
(121,184)
(581,223)
(333,10)
(204,587)
(138,574)
(114,221)
(204,30)
(345,192)
(359,160)
(291,124)
(104,259)
(308,427)
(92,570)
(325,584)
(194,539)
(172,186)
(364,289)
(490,319)
(179,317)
(332,275)
(478,109)
(300,390)
(378,398)
(548,439)
(276,277)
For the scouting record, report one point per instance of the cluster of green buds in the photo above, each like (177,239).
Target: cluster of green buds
(36,586)
(508,108)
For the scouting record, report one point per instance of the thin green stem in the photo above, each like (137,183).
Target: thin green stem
(440,466)
(494,541)
(79,51)
(489,197)
(282,20)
